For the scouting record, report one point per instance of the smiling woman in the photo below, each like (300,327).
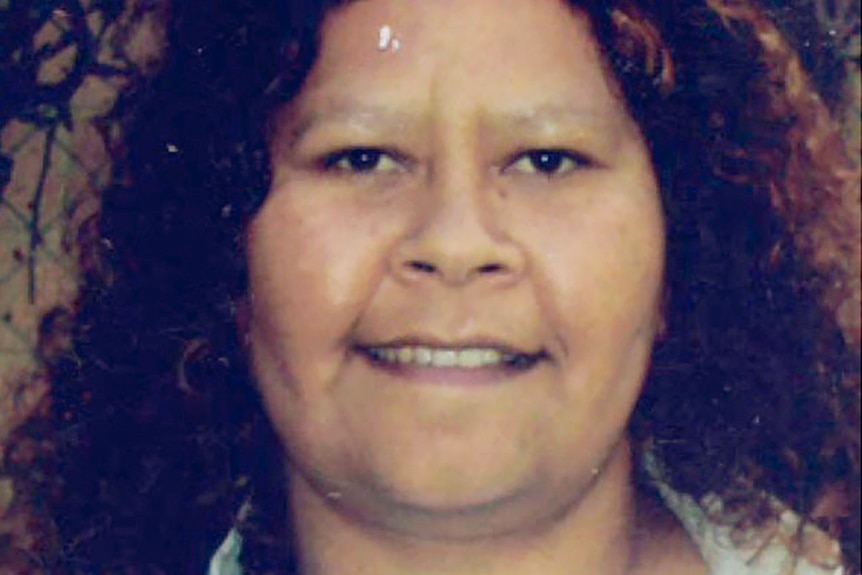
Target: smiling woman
(464,287)
(374,281)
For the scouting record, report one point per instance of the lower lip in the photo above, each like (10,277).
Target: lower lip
(450,376)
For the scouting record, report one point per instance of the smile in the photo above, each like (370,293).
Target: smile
(443,357)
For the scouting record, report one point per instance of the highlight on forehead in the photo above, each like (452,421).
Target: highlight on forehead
(630,41)
(635,38)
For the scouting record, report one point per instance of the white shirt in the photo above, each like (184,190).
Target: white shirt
(722,557)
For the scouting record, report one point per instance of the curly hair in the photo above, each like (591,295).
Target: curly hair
(153,436)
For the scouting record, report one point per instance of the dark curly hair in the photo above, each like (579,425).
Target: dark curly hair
(152,435)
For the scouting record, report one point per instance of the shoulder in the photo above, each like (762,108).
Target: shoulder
(225,561)
(768,553)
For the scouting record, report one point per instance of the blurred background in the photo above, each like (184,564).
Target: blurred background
(69,71)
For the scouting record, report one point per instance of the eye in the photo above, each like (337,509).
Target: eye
(548,162)
(361,161)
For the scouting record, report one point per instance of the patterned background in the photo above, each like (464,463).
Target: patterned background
(66,67)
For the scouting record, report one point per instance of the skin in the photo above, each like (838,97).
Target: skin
(448,233)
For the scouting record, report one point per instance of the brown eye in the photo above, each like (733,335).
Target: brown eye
(361,161)
(548,162)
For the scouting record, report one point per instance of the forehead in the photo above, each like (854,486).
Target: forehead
(493,54)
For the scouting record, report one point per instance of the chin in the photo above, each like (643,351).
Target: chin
(480,514)
(462,508)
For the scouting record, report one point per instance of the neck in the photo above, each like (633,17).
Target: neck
(593,536)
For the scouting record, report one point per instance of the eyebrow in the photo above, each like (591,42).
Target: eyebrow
(354,113)
(550,116)
(542,118)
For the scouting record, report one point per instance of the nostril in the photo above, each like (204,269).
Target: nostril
(421,266)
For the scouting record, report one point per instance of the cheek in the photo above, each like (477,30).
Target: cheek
(314,264)
(602,273)
(313,269)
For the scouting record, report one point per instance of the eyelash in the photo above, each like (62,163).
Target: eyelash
(361,161)
(546,162)
(556,162)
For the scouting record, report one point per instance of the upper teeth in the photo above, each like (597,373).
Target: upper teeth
(469,357)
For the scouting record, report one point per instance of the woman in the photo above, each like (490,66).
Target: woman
(516,283)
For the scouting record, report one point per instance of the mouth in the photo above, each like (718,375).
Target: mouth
(454,357)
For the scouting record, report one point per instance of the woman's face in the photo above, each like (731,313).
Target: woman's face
(455,278)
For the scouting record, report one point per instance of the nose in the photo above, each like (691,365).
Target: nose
(458,238)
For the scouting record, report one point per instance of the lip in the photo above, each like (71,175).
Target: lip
(523,360)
